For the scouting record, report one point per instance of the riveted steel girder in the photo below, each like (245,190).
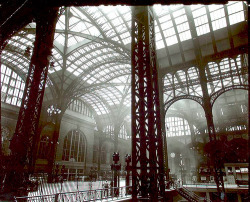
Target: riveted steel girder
(147,145)
(24,140)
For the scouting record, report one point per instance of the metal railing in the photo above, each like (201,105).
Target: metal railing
(189,195)
(88,195)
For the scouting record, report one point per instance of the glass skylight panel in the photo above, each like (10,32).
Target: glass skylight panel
(107,9)
(61,23)
(125,35)
(203,29)
(70,69)
(200,20)
(183,27)
(60,38)
(79,27)
(179,12)
(213,70)
(171,40)
(177,126)
(181,19)
(224,65)
(12,86)
(73,21)
(121,28)
(57,68)
(218,24)
(160,10)
(72,41)
(169,32)
(117,21)
(112,15)
(237,17)
(127,17)
(235,12)
(234,6)
(214,7)
(76,11)
(94,31)
(217,16)
(174,7)
(159,44)
(185,35)
(196,6)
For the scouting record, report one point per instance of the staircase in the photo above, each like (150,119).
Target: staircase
(189,195)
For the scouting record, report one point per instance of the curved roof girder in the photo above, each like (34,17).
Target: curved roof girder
(19,51)
(32,30)
(19,72)
(216,95)
(197,99)
(75,82)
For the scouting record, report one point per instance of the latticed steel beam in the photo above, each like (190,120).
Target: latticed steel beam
(147,146)
(23,141)
(215,160)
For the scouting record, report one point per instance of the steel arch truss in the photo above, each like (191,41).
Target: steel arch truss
(216,94)
(147,147)
(190,97)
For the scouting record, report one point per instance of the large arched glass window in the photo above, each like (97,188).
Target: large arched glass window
(123,133)
(177,126)
(74,147)
(80,107)
(12,86)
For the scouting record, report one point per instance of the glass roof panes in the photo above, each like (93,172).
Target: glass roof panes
(160,10)
(16,61)
(177,126)
(98,106)
(91,44)
(200,20)
(217,14)
(213,70)
(61,23)
(174,7)
(235,12)
(12,86)
(60,38)
(182,24)
(193,81)
(158,38)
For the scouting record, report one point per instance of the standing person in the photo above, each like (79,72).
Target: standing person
(106,188)
(179,182)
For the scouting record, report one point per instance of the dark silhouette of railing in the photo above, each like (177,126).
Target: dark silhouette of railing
(189,195)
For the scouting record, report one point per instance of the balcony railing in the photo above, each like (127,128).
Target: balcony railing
(87,195)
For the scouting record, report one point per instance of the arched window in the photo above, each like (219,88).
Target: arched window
(123,133)
(44,148)
(74,147)
(80,107)
(12,86)
(177,126)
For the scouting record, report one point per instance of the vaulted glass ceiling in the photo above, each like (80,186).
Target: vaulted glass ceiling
(91,54)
